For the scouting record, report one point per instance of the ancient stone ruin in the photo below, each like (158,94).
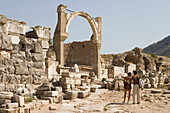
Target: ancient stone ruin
(35,72)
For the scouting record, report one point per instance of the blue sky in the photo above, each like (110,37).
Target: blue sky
(126,24)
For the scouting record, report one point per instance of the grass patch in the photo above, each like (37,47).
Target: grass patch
(29,98)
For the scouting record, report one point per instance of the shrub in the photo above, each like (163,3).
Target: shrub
(153,55)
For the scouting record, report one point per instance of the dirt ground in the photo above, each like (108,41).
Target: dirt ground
(110,101)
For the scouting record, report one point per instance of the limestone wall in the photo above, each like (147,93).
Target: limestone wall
(78,53)
(22,57)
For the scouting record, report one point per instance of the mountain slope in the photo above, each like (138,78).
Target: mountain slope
(160,48)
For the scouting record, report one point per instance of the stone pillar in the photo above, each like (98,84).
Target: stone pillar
(60,35)
(97,46)
(96,60)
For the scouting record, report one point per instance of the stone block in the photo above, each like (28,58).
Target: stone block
(21,70)
(2,105)
(147,85)
(43,32)
(53,108)
(38,65)
(12,105)
(51,93)
(60,99)
(57,89)
(21,110)
(50,99)
(16,27)
(38,48)
(37,57)
(5,101)
(19,99)
(2,96)
(93,89)
(6,42)
(44,102)
(3,110)
(156,91)
(38,104)
(66,74)
(82,94)
(15,39)
(29,104)
(65,81)
(6,93)
(70,95)
(166,92)
(27,110)
(168,86)
(44,44)
(4,54)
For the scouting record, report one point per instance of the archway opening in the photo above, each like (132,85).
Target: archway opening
(146,63)
(31,33)
(78,47)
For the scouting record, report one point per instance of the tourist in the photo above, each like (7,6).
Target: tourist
(127,86)
(136,89)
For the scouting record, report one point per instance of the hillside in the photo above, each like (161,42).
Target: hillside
(161,48)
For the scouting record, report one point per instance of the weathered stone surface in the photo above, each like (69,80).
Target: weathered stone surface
(43,32)
(19,99)
(147,85)
(166,92)
(38,57)
(82,94)
(156,91)
(38,48)
(6,95)
(4,110)
(19,56)
(38,65)
(14,39)
(4,101)
(12,105)
(44,44)
(168,86)
(37,73)
(6,42)
(21,70)
(58,88)
(71,95)
(16,27)
(25,40)
(93,89)
(53,108)
(51,93)
(5,54)
(11,69)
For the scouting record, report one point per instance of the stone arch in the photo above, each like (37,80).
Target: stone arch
(91,21)
(31,32)
(61,33)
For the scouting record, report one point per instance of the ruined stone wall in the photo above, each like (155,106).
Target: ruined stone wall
(22,53)
(78,53)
